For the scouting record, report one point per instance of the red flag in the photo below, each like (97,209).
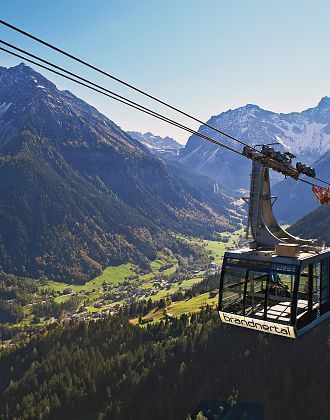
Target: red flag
(322,194)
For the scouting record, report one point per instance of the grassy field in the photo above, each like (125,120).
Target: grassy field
(62,298)
(115,275)
(119,274)
(217,249)
(186,284)
(158,263)
(112,275)
(177,309)
(192,305)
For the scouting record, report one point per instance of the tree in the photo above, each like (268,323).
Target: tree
(162,304)
(288,383)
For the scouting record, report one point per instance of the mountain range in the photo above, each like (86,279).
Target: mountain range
(78,193)
(306,134)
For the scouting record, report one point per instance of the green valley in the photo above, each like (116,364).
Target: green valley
(168,279)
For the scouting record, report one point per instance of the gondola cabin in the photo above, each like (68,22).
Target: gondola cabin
(280,295)
(280,283)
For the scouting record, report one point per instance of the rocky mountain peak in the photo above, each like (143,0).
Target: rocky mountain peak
(324,102)
(24,76)
(29,101)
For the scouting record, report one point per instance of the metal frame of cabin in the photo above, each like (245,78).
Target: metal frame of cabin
(263,290)
(248,299)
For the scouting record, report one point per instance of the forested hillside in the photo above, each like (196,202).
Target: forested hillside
(314,225)
(78,193)
(112,369)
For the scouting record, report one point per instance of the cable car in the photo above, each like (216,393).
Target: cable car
(280,283)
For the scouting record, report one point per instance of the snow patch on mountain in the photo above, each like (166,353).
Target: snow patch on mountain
(4,108)
(165,147)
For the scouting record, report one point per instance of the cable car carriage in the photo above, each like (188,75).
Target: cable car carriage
(280,283)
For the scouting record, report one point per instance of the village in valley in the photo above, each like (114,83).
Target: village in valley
(174,285)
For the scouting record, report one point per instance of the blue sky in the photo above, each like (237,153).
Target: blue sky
(204,56)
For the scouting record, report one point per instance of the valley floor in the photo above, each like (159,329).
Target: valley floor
(170,275)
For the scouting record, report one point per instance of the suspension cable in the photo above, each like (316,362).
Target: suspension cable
(27,34)
(118,98)
(117,79)
(122,99)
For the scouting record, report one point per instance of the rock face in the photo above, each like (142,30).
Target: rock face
(164,147)
(78,193)
(306,134)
